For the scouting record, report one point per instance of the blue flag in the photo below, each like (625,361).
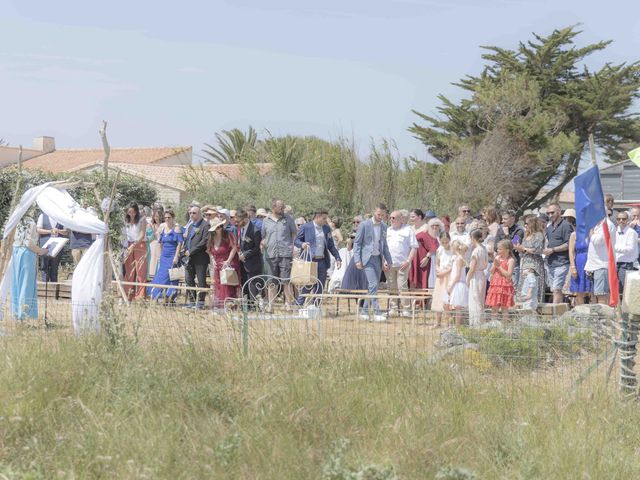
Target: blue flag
(590,207)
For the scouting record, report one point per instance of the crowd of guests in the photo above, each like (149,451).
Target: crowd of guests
(490,260)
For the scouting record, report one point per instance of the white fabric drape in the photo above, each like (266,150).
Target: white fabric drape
(86,286)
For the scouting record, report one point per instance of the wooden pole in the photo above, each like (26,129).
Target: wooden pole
(20,160)
(107,151)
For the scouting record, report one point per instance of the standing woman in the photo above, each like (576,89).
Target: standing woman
(170,240)
(434,228)
(223,248)
(531,254)
(335,223)
(490,215)
(419,273)
(135,262)
(24,291)
(153,236)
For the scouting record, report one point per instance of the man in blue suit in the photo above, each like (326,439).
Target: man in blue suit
(371,254)
(315,238)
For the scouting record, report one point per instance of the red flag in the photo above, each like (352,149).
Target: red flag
(614,293)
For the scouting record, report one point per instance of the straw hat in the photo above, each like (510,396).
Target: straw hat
(569,212)
(217,223)
(208,209)
(261,212)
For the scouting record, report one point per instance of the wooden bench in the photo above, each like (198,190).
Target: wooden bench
(348,295)
(54,290)
(422,295)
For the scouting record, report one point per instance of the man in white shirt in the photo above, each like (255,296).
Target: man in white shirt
(461,233)
(402,246)
(597,260)
(626,247)
(464,212)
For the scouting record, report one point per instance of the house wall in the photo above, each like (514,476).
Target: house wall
(167,196)
(622,182)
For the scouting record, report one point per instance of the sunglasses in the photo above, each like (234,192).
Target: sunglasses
(466,211)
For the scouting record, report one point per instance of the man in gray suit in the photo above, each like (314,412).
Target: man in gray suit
(371,254)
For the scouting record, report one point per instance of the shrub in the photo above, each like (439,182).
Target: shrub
(303,197)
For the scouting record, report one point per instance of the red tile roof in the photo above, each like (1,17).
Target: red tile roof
(173,175)
(69,160)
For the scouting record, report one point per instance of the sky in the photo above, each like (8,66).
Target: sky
(174,73)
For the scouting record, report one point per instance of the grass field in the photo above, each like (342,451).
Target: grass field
(95,408)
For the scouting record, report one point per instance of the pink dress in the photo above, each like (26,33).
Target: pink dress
(219,255)
(501,289)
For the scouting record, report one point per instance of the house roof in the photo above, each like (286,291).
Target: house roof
(69,160)
(563,197)
(173,175)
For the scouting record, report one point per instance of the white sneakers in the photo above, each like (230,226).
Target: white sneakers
(380,317)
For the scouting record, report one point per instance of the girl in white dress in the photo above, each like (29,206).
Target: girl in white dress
(476,278)
(444,262)
(457,287)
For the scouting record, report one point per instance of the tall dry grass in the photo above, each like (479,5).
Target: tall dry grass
(97,409)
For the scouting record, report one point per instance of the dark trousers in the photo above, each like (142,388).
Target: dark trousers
(622,268)
(251,290)
(195,274)
(49,267)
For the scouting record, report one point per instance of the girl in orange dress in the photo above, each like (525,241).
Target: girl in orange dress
(501,290)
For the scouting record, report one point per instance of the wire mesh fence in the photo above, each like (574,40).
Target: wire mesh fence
(570,349)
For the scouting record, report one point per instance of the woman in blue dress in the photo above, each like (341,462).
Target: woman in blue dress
(580,283)
(171,238)
(24,292)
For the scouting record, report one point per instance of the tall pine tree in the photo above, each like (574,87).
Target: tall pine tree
(547,102)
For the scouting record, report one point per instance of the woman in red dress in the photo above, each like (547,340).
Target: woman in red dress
(427,246)
(223,249)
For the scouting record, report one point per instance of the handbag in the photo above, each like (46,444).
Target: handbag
(229,276)
(304,271)
(176,273)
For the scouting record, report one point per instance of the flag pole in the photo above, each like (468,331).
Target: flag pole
(592,149)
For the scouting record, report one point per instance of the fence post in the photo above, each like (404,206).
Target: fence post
(245,328)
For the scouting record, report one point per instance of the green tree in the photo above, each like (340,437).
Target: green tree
(547,102)
(233,146)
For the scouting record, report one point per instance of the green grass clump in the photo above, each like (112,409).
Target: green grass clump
(529,347)
(91,409)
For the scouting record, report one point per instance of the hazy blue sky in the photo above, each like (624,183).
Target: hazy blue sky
(173,73)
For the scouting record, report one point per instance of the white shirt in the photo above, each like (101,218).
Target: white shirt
(400,242)
(132,230)
(597,256)
(319,252)
(377,228)
(626,246)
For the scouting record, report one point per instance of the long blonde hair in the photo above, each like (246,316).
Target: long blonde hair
(459,249)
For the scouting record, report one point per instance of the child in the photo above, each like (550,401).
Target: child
(529,292)
(444,260)
(501,291)
(476,279)
(457,286)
